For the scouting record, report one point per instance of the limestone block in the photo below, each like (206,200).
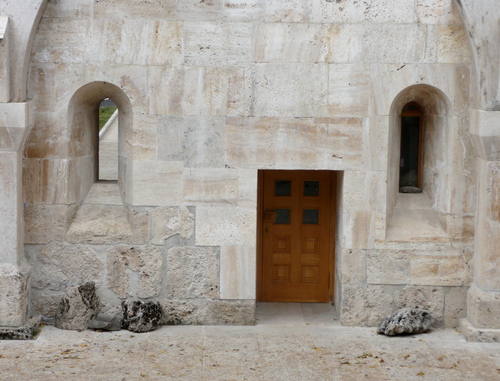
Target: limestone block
(391,50)
(38,174)
(74,8)
(13,295)
(427,298)
(100,224)
(161,9)
(442,270)
(192,272)
(455,306)
(483,308)
(391,11)
(47,139)
(144,141)
(136,41)
(79,305)
(484,134)
(353,266)
(157,183)
(200,11)
(44,303)
(288,42)
(57,266)
(364,306)
(294,143)
(217,44)
(15,121)
(244,10)
(375,141)
(61,40)
(225,226)
(196,90)
(365,190)
(38,224)
(291,89)
(287,11)
(132,79)
(170,221)
(209,312)
(359,229)
(214,187)
(237,272)
(247,188)
(453,45)
(437,12)
(139,219)
(388,267)
(348,90)
(196,140)
(146,262)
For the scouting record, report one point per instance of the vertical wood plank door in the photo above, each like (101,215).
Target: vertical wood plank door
(296,236)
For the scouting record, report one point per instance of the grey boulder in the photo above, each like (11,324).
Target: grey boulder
(106,322)
(141,316)
(406,321)
(79,305)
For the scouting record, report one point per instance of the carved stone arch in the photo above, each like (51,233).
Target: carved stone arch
(84,134)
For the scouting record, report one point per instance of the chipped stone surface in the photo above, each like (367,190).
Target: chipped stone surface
(145,262)
(170,221)
(192,272)
(58,266)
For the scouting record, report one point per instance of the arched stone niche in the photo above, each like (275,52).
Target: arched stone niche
(436,185)
(83,115)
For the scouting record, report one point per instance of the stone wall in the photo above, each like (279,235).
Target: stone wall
(208,94)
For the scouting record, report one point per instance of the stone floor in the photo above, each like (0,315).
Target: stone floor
(289,342)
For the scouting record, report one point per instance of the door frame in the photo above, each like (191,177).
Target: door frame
(260,226)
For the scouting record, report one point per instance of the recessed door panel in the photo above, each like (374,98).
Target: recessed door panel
(296,252)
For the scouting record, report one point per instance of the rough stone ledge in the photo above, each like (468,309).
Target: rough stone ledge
(24,332)
(484,335)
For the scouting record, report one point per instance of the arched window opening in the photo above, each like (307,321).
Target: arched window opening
(410,162)
(108,141)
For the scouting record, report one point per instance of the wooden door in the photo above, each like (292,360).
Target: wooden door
(296,236)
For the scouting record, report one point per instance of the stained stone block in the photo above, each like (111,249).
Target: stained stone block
(225,226)
(153,178)
(196,90)
(13,295)
(349,90)
(155,9)
(198,141)
(406,321)
(217,44)
(237,272)
(79,305)
(291,89)
(215,187)
(289,11)
(170,221)
(141,316)
(59,266)
(145,262)
(443,270)
(192,272)
(388,267)
(364,306)
(126,40)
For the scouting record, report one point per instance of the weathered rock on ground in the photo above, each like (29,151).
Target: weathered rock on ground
(77,307)
(25,332)
(405,321)
(141,316)
(106,322)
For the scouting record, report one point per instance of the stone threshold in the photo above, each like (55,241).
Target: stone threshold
(485,335)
